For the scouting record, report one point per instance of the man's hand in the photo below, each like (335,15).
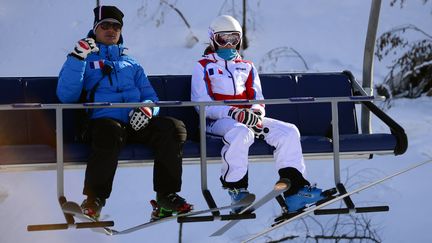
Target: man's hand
(140,117)
(84,47)
(245,116)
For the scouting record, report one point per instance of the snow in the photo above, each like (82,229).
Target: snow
(329,35)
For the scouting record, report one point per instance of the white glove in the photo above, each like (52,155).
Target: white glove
(84,47)
(245,116)
(140,117)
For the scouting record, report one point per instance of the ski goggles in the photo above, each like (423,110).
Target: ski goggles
(108,25)
(227,38)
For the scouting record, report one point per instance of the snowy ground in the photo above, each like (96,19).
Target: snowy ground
(328,34)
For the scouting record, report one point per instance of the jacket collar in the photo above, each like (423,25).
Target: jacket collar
(215,57)
(110,52)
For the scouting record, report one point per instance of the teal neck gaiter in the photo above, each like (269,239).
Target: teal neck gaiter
(227,54)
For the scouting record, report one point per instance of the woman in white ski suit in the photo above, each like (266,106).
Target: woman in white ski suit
(216,78)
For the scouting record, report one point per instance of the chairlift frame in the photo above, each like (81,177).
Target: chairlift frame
(365,97)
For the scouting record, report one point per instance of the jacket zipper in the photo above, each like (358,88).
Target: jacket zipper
(109,59)
(232,77)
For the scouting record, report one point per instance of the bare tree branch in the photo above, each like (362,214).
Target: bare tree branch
(276,57)
(410,74)
(178,12)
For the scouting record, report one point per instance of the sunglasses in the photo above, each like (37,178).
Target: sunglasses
(227,38)
(108,25)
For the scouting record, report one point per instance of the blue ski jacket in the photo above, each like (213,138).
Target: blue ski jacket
(127,81)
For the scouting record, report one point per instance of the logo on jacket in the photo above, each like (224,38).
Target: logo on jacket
(97,64)
(212,71)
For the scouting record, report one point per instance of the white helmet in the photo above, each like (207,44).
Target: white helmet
(224,23)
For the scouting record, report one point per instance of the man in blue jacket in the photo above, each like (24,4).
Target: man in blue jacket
(99,69)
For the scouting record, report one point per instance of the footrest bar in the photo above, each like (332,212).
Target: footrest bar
(212,218)
(195,219)
(354,210)
(63,226)
(238,216)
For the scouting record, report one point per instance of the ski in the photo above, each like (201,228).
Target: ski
(75,210)
(244,202)
(280,186)
(329,194)
(337,198)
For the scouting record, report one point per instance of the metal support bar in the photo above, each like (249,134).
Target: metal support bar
(335,137)
(203,147)
(203,154)
(59,152)
(368,58)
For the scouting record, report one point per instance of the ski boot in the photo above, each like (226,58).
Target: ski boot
(167,205)
(237,195)
(92,207)
(305,197)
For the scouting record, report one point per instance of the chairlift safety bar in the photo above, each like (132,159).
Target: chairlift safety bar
(202,121)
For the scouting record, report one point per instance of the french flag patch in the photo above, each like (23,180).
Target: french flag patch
(97,64)
(212,71)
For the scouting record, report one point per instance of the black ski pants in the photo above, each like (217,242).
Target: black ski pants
(165,135)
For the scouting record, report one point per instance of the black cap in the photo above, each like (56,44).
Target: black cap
(107,13)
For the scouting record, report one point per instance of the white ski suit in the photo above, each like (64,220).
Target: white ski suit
(214,78)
